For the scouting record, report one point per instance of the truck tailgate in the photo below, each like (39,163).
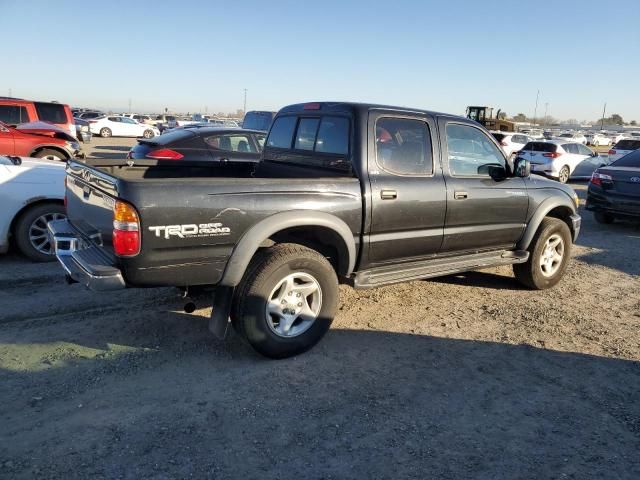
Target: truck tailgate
(90,200)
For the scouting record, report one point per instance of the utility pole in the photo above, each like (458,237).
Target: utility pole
(244,108)
(544,119)
(603,114)
(535,112)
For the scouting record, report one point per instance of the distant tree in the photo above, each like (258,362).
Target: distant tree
(521,117)
(614,119)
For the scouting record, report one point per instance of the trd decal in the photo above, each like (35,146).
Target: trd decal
(190,230)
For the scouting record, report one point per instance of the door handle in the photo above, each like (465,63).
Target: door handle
(388,194)
(460,195)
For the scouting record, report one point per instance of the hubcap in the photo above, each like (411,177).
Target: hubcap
(564,175)
(552,254)
(294,305)
(38,235)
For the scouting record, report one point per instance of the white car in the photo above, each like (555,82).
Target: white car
(557,159)
(597,139)
(533,133)
(119,126)
(616,137)
(624,146)
(573,137)
(511,142)
(31,195)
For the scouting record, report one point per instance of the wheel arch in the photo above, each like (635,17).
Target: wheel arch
(29,204)
(39,148)
(552,207)
(320,231)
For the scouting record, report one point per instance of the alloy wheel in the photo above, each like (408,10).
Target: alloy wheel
(293,305)
(38,234)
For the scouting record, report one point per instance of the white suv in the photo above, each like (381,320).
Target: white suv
(557,159)
(624,146)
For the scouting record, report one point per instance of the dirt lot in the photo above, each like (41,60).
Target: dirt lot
(468,376)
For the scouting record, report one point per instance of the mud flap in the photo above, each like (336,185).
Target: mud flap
(219,321)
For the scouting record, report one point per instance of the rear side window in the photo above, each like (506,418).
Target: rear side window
(13,114)
(539,147)
(403,146)
(231,143)
(622,144)
(629,160)
(281,134)
(51,112)
(571,148)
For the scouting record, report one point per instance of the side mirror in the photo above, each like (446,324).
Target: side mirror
(497,172)
(521,168)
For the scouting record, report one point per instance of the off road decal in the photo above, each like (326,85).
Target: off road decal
(191,230)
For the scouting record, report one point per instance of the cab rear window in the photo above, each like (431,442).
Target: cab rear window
(51,112)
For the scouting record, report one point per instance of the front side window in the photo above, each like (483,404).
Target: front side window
(114,119)
(403,146)
(470,151)
(231,143)
(583,150)
(281,134)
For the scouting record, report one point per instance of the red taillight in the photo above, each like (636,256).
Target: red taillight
(551,154)
(599,178)
(311,106)
(612,152)
(126,230)
(164,154)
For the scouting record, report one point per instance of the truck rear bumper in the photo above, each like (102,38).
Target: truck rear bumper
(83,261)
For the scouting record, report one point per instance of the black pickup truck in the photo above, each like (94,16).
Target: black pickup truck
(364,194)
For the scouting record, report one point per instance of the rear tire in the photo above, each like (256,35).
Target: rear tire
(50,154)
(32,237)
(604,218)
(549,254)
(105,132)
(148,134)
(563,175)
(286,301)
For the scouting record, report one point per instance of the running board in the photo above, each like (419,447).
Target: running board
(436,267)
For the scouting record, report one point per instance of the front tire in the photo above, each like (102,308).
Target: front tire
(105,132)
(549,254)
(50,154)
(286,301)
(32,237)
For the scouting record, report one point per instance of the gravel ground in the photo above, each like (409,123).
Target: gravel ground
(467,376)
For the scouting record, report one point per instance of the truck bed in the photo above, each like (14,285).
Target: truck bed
(228,200)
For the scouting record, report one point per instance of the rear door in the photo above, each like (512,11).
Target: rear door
(115,124)
(482,213)
(407,187)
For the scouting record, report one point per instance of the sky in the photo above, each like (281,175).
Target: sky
(437,55)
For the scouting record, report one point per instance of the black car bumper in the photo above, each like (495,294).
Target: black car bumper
(616,205)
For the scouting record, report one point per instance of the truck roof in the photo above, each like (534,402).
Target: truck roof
(355,107)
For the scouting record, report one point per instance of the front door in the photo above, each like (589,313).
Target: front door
(408,200)
(483,212)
